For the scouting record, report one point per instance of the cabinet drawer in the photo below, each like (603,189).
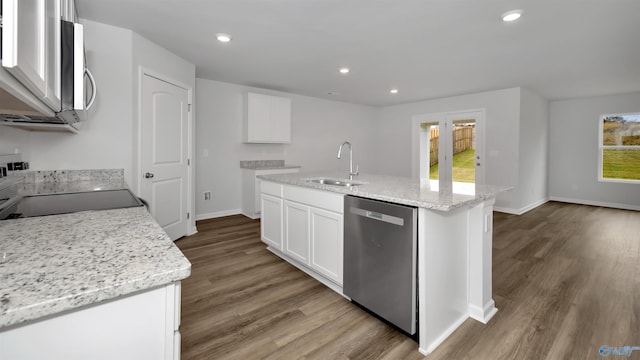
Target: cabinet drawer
(271,188)
(317,198)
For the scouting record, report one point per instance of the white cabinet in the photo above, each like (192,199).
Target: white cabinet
(296,231)
(271,223)
(143,326)
(251,189)
(326,238)
(31,46)
(309,230)
(267,119)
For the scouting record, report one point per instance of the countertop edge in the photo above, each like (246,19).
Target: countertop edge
(62,305)
(353,190)
(272,167)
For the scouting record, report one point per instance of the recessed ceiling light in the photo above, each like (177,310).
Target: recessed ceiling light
(223,37)
(344,70)
(393,91)
(511,15)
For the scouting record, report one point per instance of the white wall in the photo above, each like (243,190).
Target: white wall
(105,138)
(534,151)
(573,158)
(502,122)
(318,128)
(12,139)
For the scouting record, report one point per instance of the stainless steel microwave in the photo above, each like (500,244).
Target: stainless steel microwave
(77,91)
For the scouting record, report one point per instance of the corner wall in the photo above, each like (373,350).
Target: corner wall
(534,151)
(573,160)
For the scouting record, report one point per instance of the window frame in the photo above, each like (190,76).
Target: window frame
(602,147)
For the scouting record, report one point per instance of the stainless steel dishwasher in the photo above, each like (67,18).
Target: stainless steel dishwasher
(380,260)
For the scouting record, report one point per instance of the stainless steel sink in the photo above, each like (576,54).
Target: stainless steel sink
(335,182)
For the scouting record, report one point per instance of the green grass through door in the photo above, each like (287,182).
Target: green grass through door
(463,167)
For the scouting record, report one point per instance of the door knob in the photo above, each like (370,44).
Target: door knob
(148,175)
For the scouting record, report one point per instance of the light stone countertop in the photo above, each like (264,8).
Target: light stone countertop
(399,190)
(266,165)
(50,264)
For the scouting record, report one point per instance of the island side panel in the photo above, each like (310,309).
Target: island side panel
(481,304)
(442,274)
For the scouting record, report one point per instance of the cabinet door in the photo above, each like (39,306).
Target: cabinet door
(259,113)
(327,244)
(24,42)
(271,223)
(296,231)
(280,121)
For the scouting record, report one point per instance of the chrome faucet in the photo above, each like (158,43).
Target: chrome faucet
(351,172)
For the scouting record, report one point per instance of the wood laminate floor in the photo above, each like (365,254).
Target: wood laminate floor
(566,281)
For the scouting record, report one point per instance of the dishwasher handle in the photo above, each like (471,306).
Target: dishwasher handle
(377,216)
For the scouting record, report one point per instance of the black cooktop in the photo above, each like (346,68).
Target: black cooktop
(41,205)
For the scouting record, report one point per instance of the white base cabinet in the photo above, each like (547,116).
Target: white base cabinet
(309,224)
(142,326)
(296,231)
(326,241)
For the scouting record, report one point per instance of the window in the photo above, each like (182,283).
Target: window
(620,148)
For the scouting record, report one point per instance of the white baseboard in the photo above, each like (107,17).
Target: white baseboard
(483,314)
(218,214)
(596,203)
(522,210)
(442,337)
(328,283)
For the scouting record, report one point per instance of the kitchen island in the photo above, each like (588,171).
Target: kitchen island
(303,223)
(89,285)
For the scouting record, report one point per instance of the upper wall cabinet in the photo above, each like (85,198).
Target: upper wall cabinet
(32,27)
(267,119)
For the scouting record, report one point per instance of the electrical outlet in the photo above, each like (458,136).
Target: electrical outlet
(207,195)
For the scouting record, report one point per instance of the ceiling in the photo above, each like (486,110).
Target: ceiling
(425,48)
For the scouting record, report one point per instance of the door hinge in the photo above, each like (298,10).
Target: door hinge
(189,107)
(187,216)
(188,162)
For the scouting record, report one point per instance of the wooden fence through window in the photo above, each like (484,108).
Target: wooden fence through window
(463,139)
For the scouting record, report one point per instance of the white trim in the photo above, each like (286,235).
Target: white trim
(533,206)
(434,344)
(595,203)
(602,147)
(506,210)
(217,214)
(522,210)
(441,118)
(483,314)
(325,281)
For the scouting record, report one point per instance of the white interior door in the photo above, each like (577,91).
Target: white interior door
(164,153)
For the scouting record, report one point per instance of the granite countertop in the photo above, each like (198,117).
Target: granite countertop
(50,264)
(266,165)
(400,190)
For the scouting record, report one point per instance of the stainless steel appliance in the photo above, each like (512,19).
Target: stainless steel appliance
(75,99)
(380,259)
